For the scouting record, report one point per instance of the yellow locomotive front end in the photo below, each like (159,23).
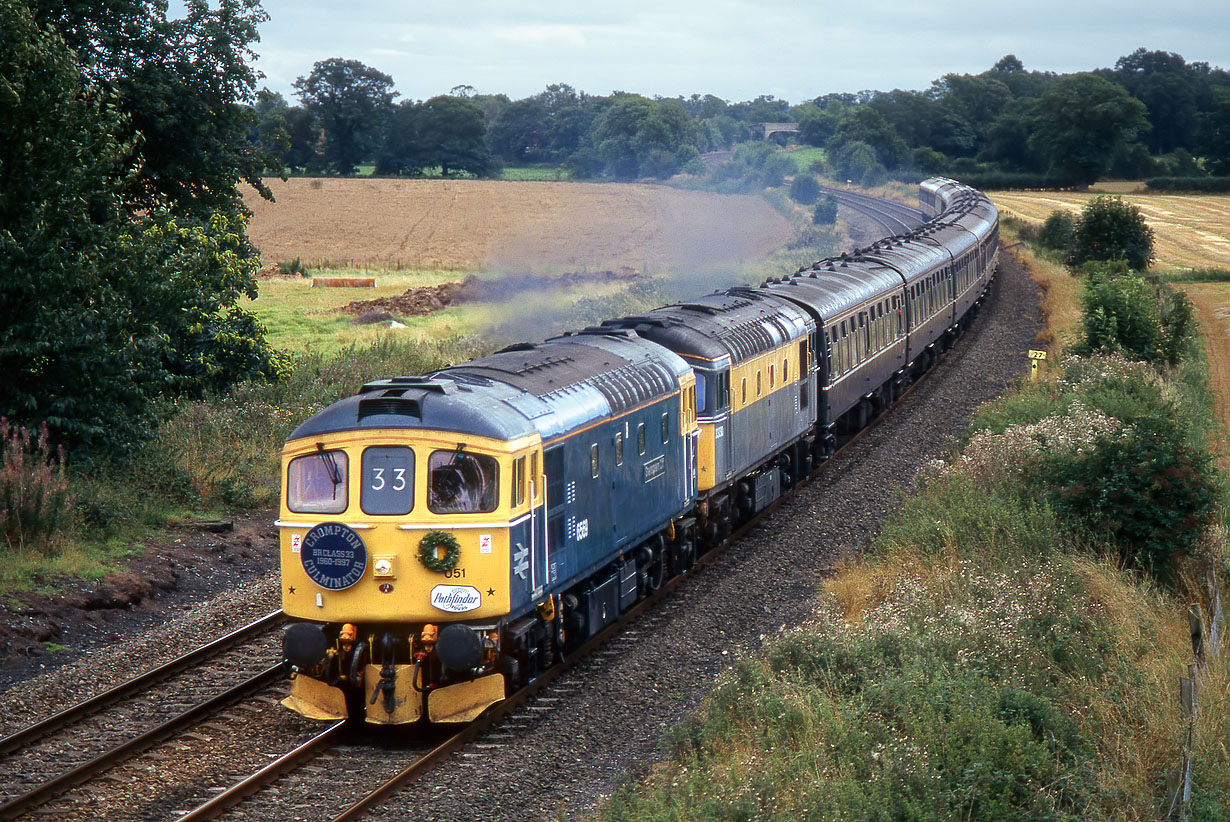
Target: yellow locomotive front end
(396,547)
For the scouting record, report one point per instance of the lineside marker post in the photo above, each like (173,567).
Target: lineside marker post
(1034,358)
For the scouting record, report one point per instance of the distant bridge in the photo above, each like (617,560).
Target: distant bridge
(775,128)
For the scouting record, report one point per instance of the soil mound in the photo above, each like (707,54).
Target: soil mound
(419,302)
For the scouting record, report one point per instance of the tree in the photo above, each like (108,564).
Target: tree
(401,150)
(856,161)
(1080,122)
(1110,229)
(1168,87)
(351,102)
(182,85)
(816,125)
(867,126)
(1215,134)
(453,135)
(103,306)
(974,103)
(519,134)
(636,136)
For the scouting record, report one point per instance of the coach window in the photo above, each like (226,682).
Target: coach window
(619,447)
(593,460)
(640,438)
(666,429)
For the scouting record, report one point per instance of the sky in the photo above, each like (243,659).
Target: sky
(733,49)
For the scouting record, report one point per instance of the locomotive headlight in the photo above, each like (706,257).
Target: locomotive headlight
(383,567)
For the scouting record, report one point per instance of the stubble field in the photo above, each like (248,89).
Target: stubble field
(523,226)
(1192,231)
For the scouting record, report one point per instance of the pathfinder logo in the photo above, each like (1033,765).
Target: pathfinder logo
(456,599)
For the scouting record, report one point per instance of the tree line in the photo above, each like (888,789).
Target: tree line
(1153,114)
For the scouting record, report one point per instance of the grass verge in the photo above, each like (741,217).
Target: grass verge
(989,657)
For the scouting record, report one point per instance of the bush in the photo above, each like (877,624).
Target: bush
(1110,229)
(33,491)
(804,189)
(1056,231)
(1206,185)
(776,167)
(826,211)
(292,267)
(1125,312)
(1150,494)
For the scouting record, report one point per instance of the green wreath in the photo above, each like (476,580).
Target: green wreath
(429,556)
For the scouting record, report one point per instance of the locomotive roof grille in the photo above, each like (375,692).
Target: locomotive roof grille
(398,405)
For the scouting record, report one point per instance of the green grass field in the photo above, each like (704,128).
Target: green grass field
(534,173)
(804,157)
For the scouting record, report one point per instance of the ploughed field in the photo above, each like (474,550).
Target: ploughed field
(482,224)
(1191,231)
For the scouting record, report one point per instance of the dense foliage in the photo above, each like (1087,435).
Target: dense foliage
(121,278)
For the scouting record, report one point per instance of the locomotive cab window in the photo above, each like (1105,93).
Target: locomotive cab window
(666,428)
(640,438)
(702,399)
(388,481)
(619,447)
(593,460)
(461,483)
(316,483)
(518,482)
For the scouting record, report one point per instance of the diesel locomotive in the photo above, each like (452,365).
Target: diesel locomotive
(446,538)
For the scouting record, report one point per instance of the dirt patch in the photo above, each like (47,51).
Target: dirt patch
(192,564)
(520,226)
(418,302)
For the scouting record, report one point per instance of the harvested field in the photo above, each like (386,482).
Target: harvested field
(1192,231)
(521,226)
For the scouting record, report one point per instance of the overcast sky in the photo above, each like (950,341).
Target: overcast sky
(734,49)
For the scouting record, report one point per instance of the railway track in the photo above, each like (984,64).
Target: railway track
(334,757)
(894,218)
(81,743)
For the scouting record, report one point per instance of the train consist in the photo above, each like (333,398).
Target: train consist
(448,537)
